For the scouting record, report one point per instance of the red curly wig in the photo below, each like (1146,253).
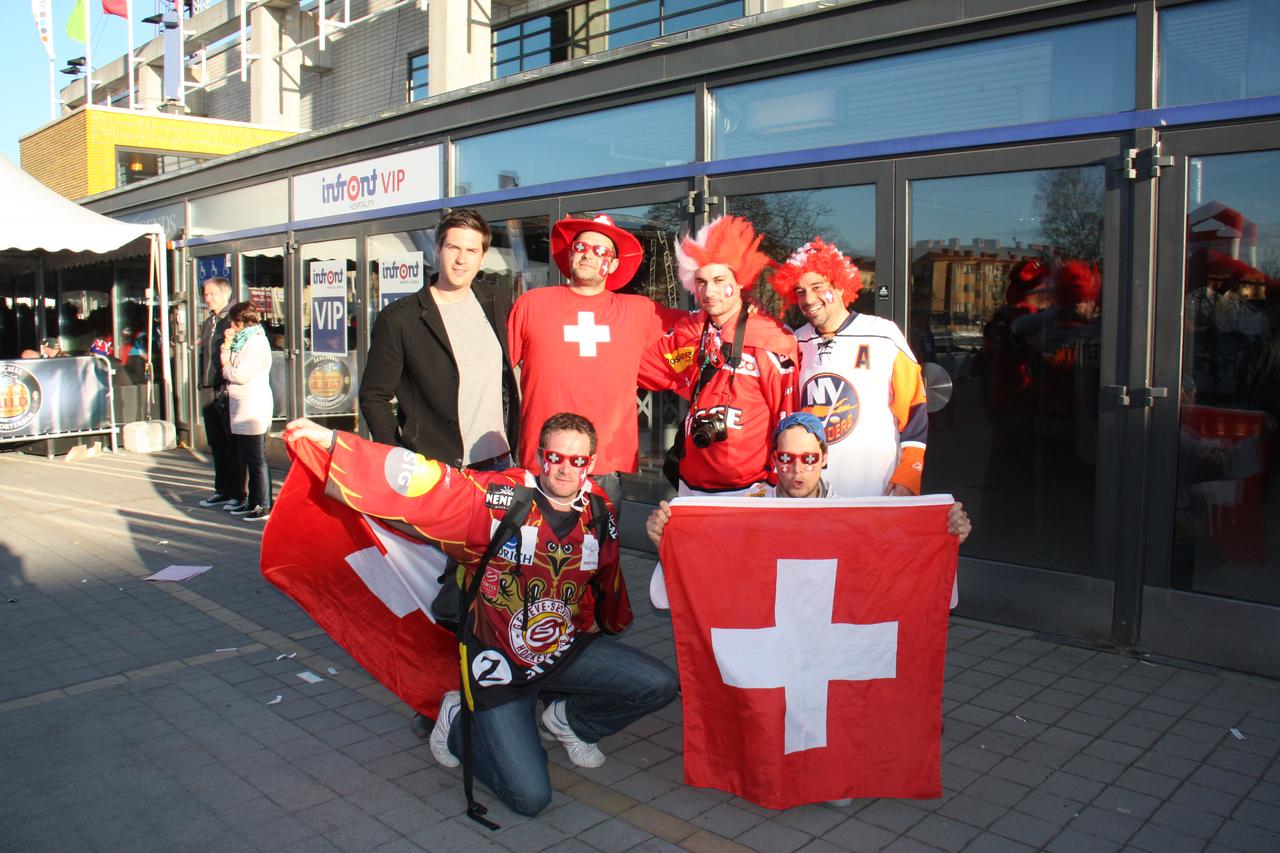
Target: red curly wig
(728,240)
(825,260)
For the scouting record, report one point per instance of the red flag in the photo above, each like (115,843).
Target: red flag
(367,586)
(811,636)
(116,7)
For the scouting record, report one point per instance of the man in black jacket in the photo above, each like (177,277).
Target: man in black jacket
(228,478)
(442,354)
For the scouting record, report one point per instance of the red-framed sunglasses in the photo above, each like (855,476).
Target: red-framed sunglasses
(556,458)
(599,251)
(782,457)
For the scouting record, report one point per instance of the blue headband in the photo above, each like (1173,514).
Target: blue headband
(810,423)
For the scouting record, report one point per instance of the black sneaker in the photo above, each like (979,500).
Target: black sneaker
(258,513)
(216,499)
(236,506)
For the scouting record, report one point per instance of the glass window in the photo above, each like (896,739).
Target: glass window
(329,374)
(84,310)
(134,165)
(639,136)
(418,76)
(237,210)
(1227,522)
(1219,51)
(1086,69)
(262,281)
(843,216)
(400,263)
(520,254)
(1005,295)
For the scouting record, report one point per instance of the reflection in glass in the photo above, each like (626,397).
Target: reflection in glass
(406,257)
(623,139)
(256,206)
(1006,297)
(843,216)
(1227,522)
(1080,70)
(329,374)
(1219,51)
(520,254)
(262,279)
(137,342)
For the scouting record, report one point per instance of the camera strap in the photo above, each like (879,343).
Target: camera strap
(732,354)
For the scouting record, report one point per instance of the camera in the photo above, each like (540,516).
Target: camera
(707,428)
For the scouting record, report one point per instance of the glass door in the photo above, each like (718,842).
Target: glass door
(1011,278)
(1215,491)
(262,281)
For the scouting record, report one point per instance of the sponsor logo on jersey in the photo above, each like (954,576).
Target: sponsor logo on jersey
(499,496)
(490,668)
(549,627)
(410,474)
(680,359)
(746,367)
(834,401)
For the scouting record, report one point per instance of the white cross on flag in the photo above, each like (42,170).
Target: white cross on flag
(811,637)
(368,587)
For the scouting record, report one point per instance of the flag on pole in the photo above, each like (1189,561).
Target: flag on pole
(369,588)
(76,30)
(42,11)
(811,638)
(116,7)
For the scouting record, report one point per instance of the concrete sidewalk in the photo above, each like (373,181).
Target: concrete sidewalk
(136,716)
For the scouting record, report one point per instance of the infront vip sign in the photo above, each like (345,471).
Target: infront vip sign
(404,178)
(328,280)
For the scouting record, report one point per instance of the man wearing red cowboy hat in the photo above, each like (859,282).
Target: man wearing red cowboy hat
(737,393)
(579,344)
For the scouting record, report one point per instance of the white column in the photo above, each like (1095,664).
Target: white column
(459,44)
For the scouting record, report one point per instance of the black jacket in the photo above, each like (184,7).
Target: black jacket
(410,359)
(212,331)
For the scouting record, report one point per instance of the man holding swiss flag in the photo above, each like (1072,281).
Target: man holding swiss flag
(812,641)
(539,583)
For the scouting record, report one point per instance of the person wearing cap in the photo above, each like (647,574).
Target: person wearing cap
(799,453)
(52,348)
(737,368)
(858,375)
(441,354)
(578,345)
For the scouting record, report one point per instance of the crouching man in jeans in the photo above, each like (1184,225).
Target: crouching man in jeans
(547,596)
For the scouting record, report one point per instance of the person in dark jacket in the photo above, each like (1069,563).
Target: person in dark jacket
(228,476)
(441,353)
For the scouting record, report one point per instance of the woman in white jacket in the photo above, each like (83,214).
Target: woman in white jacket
(246,364)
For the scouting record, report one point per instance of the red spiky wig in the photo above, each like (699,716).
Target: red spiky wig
(729,240)
(825,260)
(1077,282)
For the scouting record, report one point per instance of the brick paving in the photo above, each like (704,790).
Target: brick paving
(135,716)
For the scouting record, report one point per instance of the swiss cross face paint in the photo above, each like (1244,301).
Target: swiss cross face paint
(828,297)
(728,291)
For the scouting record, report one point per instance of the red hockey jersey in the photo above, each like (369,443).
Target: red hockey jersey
(542,595)
(761,391)
(580,354)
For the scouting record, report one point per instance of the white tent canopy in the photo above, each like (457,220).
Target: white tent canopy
(35,217)
(39,226)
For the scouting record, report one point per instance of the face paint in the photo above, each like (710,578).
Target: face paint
(546,468)
(828,297)
(728,291)
(582,477)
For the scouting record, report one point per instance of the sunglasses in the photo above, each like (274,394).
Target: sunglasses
(556,458)
(580,247)
(781,457)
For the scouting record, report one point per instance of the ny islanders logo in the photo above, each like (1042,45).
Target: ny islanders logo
(834,401)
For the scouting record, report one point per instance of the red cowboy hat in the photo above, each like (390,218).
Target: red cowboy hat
(630,254)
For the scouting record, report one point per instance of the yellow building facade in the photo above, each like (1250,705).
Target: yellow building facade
(84,153)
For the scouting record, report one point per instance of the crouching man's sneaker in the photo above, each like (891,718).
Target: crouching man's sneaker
(439,740)
(580,752)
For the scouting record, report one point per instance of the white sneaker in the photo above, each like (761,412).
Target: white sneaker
(439,739)
(580,752)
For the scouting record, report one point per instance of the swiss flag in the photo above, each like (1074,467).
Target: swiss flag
(811,636)
(367,586)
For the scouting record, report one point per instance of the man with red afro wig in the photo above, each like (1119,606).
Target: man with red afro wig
(858,375)
(737,368)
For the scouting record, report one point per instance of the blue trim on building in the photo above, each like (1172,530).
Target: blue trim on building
(1160,118)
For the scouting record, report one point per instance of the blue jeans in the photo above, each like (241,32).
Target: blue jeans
(253,458)
(608,685)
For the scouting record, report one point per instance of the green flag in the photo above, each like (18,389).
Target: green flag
(75,24)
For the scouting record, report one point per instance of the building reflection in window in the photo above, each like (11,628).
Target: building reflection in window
(1227,521)
(1006,297)
(262,280)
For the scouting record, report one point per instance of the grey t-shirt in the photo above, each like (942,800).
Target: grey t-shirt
(479,357)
